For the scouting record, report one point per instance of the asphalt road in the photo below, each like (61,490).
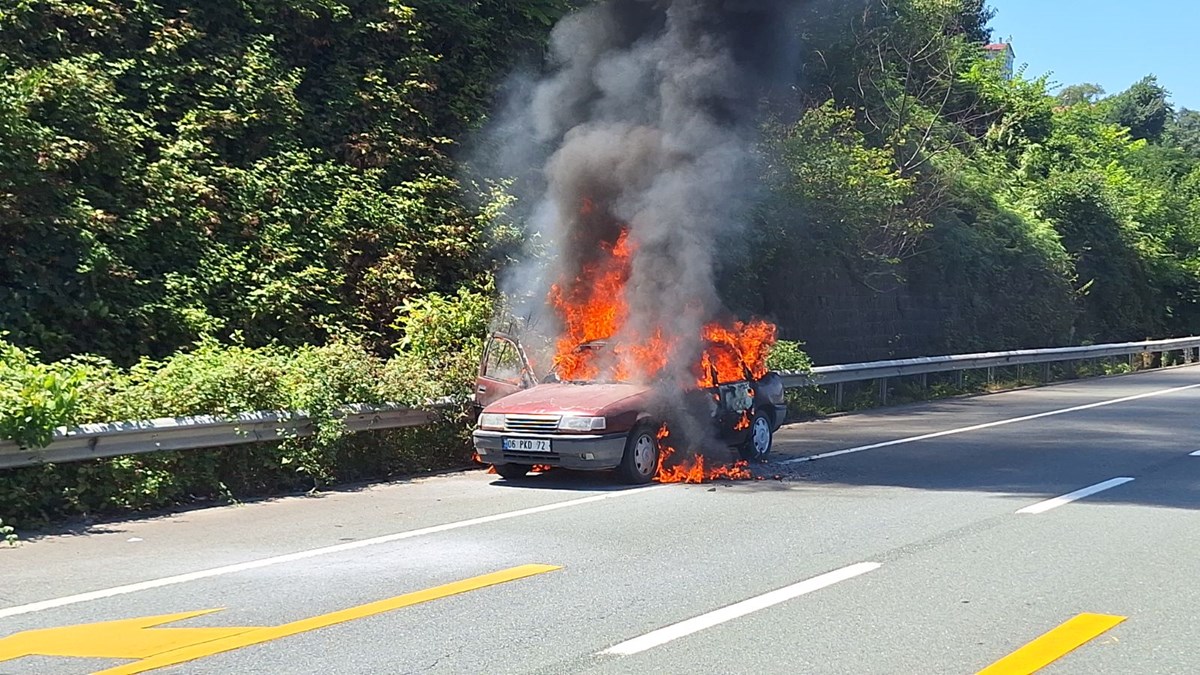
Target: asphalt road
(928,547)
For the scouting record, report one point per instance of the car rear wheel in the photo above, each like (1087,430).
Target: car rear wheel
(640,462)
(758,444)
(512,471)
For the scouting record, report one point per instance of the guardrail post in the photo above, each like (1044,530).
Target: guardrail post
(883,390)
(991,375)
(839,394)
(961,376)
(1046,372)
(924,380)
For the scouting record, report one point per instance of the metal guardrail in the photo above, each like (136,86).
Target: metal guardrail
(884,370)
(94,441)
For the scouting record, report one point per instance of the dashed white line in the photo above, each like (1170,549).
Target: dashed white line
(1195,454)
(1042,507)
(734,611)
(304,555)
(988,425)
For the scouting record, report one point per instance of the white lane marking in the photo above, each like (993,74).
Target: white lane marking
(304,555)
(1042,507)
(1195,454)
(988,425)
(734,611)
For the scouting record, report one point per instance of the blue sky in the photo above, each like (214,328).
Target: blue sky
(1113,43)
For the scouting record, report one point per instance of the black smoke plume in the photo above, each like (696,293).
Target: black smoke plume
(647,113)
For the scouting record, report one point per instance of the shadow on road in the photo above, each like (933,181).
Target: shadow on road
(568,480)
(1026,461)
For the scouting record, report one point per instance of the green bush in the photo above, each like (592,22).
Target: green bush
(279,169)
(443,342)
(436,363)
(788,355)
(34,397)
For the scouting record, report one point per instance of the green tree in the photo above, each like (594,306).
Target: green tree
(1143,108)
(281,170)
(1184,132)
(1075,94)
(845,194)
(975,16)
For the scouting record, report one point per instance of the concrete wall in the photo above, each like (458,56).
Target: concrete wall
(844,320)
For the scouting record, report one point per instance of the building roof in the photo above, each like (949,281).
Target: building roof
(997,47)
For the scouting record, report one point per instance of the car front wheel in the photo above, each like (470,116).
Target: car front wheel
(640,461)
(758,444)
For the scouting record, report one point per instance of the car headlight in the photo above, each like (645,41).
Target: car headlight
(582,424)
(492,421)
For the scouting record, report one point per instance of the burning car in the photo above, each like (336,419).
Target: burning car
(579,419)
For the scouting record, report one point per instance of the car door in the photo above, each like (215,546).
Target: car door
(504,370)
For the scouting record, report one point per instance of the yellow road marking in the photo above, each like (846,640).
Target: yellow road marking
(1053,645)
(125,639)
(161,647)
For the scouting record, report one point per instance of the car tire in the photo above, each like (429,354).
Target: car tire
(639,464)
(757,446)
(512,471)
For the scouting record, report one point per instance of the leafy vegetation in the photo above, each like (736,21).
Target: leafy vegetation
(235,206)
(277,170)
(906,162)
(216,379)
(788,355)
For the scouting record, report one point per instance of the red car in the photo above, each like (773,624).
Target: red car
(604,426)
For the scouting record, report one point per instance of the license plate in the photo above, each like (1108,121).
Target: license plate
(527,444)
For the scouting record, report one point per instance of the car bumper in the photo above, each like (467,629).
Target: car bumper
(587,452)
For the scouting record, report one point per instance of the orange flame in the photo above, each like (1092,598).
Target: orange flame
(479,460)
(593,308)
(737,352)
(693,470)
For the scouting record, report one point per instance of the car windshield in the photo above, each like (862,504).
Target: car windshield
(597,352)
(602,355)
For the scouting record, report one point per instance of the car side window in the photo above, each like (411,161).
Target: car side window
(503,362)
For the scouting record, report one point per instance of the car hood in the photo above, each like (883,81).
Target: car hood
(571,399)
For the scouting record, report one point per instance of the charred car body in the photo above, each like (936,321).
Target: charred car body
(610,425)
